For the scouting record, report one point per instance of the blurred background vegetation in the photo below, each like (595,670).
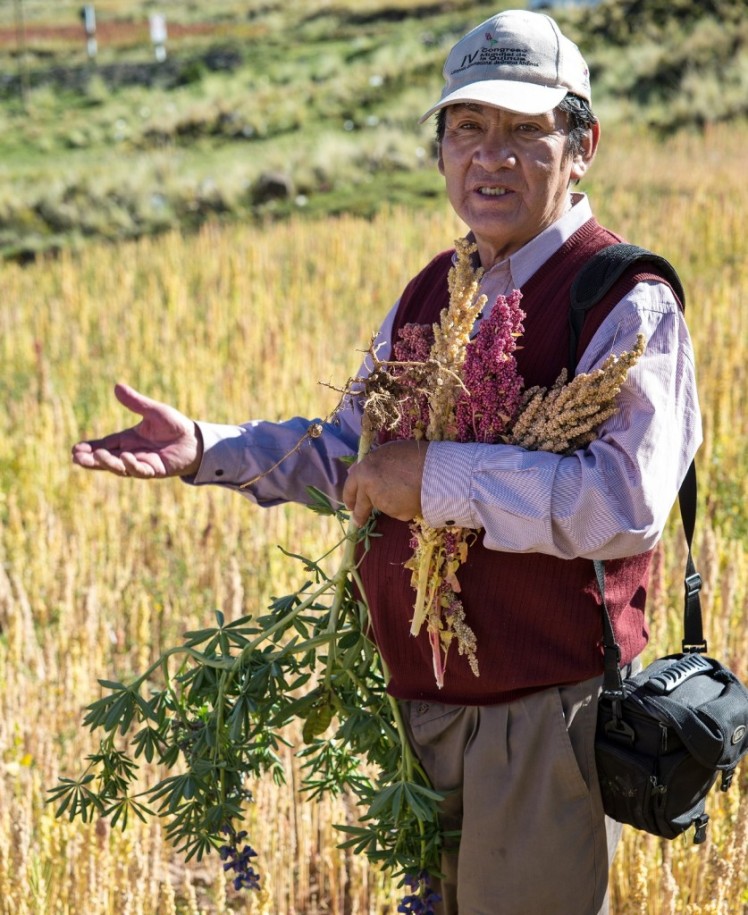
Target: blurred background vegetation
(266,107)
(302,108)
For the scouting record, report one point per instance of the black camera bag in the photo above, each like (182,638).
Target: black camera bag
(665,735)
(659,753)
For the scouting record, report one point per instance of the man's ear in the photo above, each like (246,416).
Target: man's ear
(583,159)
(440,159)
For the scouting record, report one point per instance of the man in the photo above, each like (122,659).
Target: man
(513,748)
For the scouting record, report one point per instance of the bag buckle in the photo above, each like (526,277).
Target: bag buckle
(726,780)
(616,727)
(694,647)
(700,827)
(693,584)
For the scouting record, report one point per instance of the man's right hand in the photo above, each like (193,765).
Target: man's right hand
(165,443)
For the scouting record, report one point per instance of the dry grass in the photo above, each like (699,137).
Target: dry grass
(96,573)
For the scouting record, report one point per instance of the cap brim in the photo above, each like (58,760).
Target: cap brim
(523,98)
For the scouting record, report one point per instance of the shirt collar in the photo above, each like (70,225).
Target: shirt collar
(524,263)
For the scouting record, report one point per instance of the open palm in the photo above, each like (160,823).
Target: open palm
(165,443)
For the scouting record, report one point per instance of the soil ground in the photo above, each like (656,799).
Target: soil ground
(110,33)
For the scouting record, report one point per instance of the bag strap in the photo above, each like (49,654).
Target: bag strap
(596,278)
(693,633)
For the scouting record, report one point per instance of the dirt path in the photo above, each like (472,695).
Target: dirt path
(110,33)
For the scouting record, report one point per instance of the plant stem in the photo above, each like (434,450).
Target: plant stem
(348,562)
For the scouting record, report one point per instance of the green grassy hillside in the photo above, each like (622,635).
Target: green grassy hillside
(268,107)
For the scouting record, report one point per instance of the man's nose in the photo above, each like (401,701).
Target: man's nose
(496,150)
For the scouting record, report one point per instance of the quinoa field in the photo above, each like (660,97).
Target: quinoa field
(98,575)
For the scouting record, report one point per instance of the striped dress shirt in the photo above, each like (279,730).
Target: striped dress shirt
(608,501)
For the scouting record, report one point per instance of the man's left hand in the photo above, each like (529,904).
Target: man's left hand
(388,479)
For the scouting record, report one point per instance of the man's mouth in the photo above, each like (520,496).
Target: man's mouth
(492,191)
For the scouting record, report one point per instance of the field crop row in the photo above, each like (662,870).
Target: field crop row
(97,574)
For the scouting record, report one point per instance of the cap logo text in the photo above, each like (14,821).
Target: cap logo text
(497,57)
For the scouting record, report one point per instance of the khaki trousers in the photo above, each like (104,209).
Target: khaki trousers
(523,791)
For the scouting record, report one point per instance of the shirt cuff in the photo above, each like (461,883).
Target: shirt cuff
(447,484)
(223,458)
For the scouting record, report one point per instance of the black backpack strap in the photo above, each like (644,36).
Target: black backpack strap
(693,632)
(598,276)
(612,681)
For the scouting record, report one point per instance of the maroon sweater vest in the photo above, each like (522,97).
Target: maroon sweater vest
(537,618)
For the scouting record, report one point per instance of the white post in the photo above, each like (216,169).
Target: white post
(88,15)
(158,35)
(23,76)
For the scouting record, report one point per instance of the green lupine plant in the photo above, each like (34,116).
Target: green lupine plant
(215,707)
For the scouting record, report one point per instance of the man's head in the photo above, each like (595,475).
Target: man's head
(519,61)
(516,60)
(515,129)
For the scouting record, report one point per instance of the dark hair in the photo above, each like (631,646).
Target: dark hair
(579,119)
(579,116)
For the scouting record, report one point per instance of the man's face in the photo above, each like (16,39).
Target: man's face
(507,175)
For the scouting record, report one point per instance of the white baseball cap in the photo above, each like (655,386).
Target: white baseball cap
(516,60)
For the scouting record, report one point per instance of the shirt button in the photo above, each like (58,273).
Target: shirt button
(219,473)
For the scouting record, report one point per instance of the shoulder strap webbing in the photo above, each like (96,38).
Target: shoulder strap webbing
(598,276)
(693,633)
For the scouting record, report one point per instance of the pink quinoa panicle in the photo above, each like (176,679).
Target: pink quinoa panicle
(413,346)
(414,343)
(484,403)
(489,405)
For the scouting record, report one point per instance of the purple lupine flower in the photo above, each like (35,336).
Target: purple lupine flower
(239,860)
(487,408)
(423,899)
